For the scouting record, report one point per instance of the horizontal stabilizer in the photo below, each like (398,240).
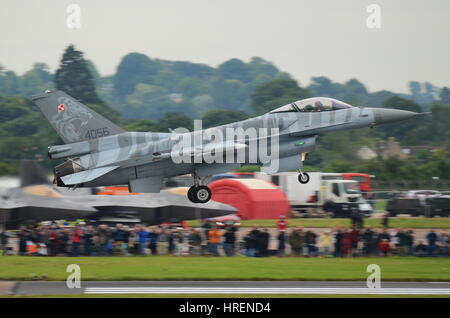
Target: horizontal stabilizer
(86,175)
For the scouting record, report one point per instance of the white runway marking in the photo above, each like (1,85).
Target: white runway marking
(252,290)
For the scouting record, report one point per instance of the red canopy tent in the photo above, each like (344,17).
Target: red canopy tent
(253,198)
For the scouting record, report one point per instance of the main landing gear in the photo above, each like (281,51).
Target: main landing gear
(199,193)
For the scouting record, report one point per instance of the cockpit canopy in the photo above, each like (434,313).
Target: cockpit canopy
(315,104)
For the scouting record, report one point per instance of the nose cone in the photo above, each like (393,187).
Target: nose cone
(387,115)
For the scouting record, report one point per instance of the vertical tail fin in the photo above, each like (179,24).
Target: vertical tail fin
(72,120)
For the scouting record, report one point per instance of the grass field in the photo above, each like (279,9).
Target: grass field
(397,222)
(223,268)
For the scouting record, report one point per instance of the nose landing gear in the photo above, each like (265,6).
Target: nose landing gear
(303,177)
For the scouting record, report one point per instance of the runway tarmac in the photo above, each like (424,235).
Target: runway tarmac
(227,287)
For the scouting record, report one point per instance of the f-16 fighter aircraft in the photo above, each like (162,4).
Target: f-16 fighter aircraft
(99,153)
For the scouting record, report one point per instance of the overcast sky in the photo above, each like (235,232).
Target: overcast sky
(304,38)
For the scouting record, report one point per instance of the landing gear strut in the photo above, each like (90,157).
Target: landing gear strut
(303,177)
(199,193)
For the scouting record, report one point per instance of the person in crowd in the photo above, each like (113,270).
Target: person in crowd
(310,241)
(263,243)
(103,236)
(183,241)
(153,240)
(410,241)
(77,235)
(431,238)
(4,242)
(281,250)
(142,235)
(252,241)
(64,239)
(325,243)
(170,241)
(420,249)
(402,242)
(443,244)
(354,238)
(119,237)
(384,235)
(88,240)
(367,236)
(297,240)
(346,243)
(384,247)
(282,223)
(214,239)
(22,241)
(229,240)
(338,243)
(53,241)
(195,242)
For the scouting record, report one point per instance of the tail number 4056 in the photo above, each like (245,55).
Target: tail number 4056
(97,133)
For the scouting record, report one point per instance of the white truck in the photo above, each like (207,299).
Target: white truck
(325,192)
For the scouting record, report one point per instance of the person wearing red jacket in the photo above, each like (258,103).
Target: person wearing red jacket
(282,223)
(76,240)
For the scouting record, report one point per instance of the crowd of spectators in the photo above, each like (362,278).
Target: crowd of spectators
(211,239)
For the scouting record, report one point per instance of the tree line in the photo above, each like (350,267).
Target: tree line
(155,95)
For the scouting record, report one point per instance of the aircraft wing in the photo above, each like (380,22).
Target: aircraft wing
(15,210)
(154,208)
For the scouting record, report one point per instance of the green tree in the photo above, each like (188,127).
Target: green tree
(172,120)
(135,68)
(234,69)
(74,78)
(230,94)
(143,125)
(9,82)
(445,95)
(148,101)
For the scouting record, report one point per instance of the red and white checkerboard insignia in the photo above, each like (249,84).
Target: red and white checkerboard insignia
(61,108)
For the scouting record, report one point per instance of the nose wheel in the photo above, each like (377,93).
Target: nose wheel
(303,177)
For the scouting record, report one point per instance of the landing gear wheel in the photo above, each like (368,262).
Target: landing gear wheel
(190,195)
(202,194)
(303,178)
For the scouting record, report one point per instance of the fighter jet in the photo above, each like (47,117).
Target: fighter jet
(37,200)
(97,152)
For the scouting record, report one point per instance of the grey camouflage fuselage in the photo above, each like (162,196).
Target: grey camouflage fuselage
(140,158)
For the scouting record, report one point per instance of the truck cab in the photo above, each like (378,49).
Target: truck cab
(341,197)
